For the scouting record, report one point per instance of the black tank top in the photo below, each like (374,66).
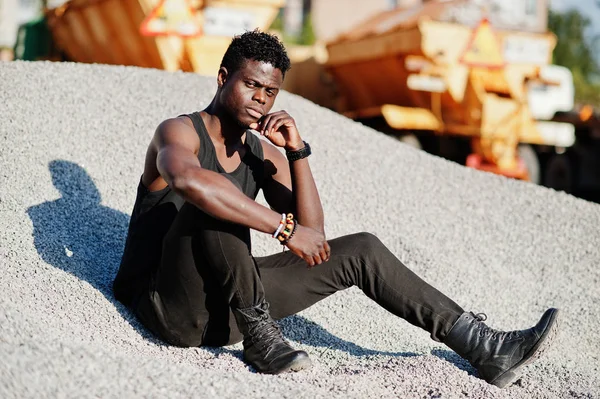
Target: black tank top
(155,211)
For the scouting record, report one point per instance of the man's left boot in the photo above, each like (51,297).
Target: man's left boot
(265,349)
(499,356)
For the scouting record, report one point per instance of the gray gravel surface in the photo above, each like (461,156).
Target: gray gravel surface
(73,139)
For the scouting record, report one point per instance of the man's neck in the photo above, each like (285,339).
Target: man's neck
(220,126)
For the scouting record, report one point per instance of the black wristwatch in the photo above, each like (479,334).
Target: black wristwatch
(299,154)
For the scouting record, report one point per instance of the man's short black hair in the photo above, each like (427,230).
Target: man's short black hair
(258,46)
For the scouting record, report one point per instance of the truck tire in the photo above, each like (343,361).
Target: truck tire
(532,162)
(559,174)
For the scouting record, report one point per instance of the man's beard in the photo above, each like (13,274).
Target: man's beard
(242,124)
(234,118)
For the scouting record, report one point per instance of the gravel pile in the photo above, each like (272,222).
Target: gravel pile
(73,139)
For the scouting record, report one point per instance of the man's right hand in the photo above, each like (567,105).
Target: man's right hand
(310,245)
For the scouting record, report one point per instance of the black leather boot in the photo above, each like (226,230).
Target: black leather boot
(265,349)
(499,356)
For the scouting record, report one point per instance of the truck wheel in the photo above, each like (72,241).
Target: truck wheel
(559,173)
(532,163)
(411,140)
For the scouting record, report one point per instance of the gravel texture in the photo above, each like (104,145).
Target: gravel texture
(73,138)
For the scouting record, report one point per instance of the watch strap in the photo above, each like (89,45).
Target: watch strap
(299,154)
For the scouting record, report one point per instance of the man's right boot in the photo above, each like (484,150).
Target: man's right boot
(265,349)
(499,356)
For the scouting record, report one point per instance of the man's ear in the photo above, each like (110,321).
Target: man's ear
(222,76)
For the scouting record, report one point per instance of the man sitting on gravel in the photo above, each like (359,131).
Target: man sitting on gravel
(188,271)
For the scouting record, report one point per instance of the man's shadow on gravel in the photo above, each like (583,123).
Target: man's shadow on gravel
(304,331)
(455,359)
(77,234)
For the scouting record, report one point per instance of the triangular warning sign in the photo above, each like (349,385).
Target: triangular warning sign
(171,17)
(483,49)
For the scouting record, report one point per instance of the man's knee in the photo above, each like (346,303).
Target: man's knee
(367,240)
(356,256)
(362,244)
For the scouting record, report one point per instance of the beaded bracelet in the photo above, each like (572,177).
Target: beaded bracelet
(288,230)
(281,226)
(293,231)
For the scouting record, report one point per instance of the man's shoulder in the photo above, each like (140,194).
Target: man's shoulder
(176,123)
(176,131)
(177,126)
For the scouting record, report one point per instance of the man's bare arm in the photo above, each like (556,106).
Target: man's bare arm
(176,145)
(292,187)
(280,128)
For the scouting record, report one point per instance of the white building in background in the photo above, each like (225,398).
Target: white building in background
(293,17)
(14,13)
(9,10)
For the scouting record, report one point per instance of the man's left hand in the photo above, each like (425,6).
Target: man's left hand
(280,128)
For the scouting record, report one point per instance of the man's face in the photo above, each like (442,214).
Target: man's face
(249,93)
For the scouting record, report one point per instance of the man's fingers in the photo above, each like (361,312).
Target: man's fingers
(324,255)
(274,123)
(307,258)
(326,252)
(313,260)
(263,123)
(275,127)
(317,259)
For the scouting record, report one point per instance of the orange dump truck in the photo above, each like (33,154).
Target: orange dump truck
(463,92)
(188,35)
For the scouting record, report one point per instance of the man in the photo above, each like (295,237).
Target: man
(188,271)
